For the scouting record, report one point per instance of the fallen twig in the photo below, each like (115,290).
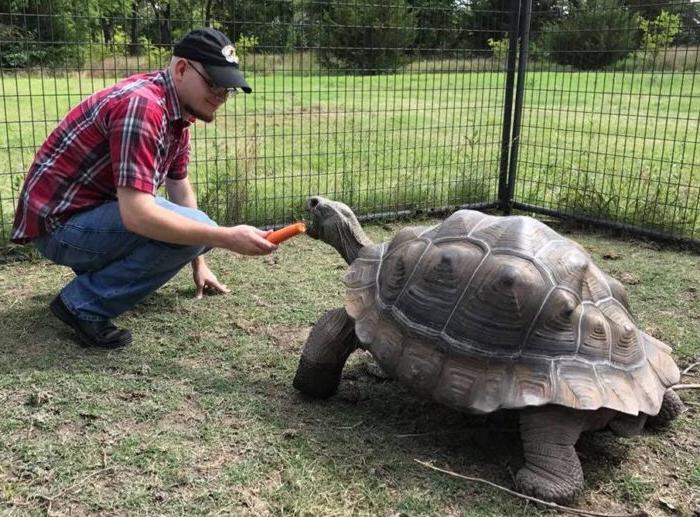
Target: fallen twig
(575,511)
(685,386)
(685,372)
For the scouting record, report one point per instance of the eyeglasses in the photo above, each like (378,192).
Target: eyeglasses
(216,90)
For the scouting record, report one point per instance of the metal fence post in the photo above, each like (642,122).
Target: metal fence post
(503,198)
(524,33)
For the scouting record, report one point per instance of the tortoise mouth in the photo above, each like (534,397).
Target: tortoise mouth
(313,205)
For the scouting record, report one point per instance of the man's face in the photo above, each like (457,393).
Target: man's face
(198,94)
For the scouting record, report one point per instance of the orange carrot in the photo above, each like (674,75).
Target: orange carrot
(286,233)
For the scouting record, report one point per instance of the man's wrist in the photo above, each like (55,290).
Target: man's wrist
(197,262)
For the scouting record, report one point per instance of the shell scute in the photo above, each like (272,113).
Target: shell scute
(555,331)
(420,365)
(457,380)
(437,284)
(595,340)
(516,233)
(497,307)
(460,224)
(578,386)
(532,383)
(397,268)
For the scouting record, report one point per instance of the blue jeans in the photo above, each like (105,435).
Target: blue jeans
(115,268)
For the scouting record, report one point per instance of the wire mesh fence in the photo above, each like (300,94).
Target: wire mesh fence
(408,106)
(611,114)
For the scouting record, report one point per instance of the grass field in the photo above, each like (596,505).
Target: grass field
(199,415)
(617,145)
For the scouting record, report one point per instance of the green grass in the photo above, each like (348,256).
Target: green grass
(620,145)
(199,415)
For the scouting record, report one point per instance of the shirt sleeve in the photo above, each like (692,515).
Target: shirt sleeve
(178,167)
(136,128)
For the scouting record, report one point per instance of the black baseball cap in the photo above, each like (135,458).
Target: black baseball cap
(216,53)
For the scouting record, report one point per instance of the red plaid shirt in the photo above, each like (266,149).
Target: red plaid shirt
(131,134)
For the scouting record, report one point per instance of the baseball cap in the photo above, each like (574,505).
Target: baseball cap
(217,55)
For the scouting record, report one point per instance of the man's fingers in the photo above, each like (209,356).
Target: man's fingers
(217,287)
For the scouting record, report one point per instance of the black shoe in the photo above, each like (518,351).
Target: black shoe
(101,334)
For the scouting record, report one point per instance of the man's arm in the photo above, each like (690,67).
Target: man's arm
(181,192)
(140,214)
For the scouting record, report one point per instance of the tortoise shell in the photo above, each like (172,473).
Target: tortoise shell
(484,312)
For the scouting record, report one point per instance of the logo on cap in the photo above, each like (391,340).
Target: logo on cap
(229,52)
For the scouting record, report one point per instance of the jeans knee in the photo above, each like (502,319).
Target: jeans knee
(206,219)
(194,251)
(183,252)
(199,216)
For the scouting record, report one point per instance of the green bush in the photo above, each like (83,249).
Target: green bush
(367,38)
(593,36)
(658,34)
(19,48)
(245,44)
(499,47)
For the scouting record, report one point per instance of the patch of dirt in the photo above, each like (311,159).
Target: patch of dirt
(288,338)
(690,294)
(211,462)
(611,255)
(252,501)
(184,419)
(628,278)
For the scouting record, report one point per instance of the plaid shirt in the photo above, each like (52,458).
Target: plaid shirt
(128,135)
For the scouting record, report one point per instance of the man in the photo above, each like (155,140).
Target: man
(89,199)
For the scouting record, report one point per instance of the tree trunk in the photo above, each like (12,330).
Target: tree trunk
(107,25)
(207,13)
(165,28)
(135,48)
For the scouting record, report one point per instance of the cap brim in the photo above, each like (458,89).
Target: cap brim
(228,77)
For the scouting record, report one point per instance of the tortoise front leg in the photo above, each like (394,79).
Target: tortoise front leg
(552,470)
(331,341)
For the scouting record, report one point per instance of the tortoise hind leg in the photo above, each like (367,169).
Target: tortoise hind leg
(552,470)
(331,341)
(671,407)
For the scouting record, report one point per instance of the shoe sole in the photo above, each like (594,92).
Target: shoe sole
(85,340)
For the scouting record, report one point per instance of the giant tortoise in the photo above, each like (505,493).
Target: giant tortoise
(483,313)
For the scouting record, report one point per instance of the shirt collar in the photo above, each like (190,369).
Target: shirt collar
(172,103)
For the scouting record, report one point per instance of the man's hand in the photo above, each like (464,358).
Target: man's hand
(205,279)
(246,240)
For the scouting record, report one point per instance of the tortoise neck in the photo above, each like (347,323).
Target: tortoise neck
(351,239)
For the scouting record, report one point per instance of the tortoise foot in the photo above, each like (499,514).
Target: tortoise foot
(317,380)
(547,487)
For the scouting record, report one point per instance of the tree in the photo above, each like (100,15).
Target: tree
(370,38)
(592,36)
(658,34)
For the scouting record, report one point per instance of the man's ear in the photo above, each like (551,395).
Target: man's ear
(179,67)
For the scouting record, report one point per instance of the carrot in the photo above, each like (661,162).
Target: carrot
(286,233)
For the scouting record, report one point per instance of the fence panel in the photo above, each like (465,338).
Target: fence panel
(611,116)
(400,107)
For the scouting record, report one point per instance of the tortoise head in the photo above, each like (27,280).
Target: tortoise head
(335,224)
